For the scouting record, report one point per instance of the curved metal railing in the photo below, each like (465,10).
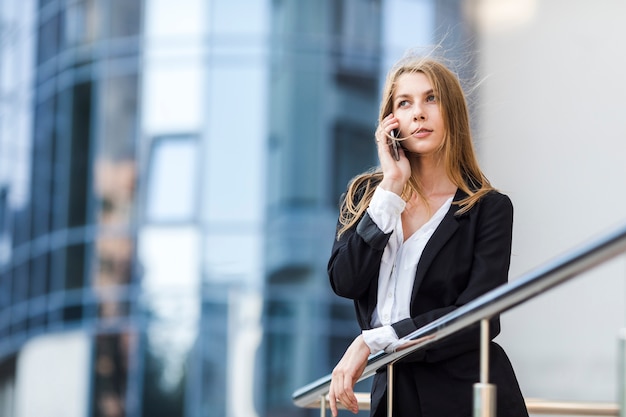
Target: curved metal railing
(505,297)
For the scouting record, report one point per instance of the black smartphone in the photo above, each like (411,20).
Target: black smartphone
(394,145)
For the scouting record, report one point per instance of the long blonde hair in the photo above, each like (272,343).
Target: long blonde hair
(457,149)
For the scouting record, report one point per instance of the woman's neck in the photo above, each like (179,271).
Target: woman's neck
(433,177)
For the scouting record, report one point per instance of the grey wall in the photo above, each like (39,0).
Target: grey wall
(552,135)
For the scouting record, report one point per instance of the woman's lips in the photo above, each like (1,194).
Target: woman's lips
(421,133)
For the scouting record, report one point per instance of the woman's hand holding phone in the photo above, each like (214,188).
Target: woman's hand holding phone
(396,169)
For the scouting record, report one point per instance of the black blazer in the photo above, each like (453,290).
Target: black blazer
(468,255)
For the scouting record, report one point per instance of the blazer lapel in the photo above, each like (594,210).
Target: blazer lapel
(449,224)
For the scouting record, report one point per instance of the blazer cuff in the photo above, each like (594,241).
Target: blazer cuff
(404,327)
(371,233)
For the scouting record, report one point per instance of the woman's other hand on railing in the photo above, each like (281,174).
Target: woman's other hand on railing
(345,376)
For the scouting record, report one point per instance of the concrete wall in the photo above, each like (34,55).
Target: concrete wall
(52,377)
(552,135)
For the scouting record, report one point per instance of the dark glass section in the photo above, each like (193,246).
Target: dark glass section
(281,356)
(5,289)
(20,282)
(7,386)
(75,266)
(5,303)
(111,359)
(48,39)
(39,284)
(291,274)
(214,334)
(4,210)
(161,398)
(21,227)
(356,57)
(57,269)
(37,291)
(62,159)
(353,153)
(74,280)
(343,309)
(42,176)
(79,174)
(19,287)
(282,314)
(72,310)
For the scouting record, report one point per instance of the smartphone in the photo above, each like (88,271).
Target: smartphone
(394,145)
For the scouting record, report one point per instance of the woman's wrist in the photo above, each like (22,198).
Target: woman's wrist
(394,186)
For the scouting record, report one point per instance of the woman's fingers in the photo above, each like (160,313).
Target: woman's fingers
(333,394)
(345,396)
(348,399)
(346,374)
(332,401)
(385,127)
(346,391)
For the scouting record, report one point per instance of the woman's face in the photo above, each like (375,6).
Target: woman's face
(417,109)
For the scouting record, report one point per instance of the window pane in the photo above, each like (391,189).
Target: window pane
(117,123)
(112,355)
(43,149)
(353,154)
(164,373)
(80,149)
(124,18)
(48,39)
(172,180)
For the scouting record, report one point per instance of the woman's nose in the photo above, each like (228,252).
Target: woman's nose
(419,114)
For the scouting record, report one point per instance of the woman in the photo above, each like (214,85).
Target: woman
(417,238)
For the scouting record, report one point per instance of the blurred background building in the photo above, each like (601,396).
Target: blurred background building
(170,173)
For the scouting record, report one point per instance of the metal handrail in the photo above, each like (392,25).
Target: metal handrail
(572,408)
(505,297)
(533,405)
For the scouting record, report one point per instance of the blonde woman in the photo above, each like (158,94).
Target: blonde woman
(420,236)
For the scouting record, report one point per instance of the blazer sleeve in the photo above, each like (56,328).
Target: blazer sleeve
(489,269)
(355,259)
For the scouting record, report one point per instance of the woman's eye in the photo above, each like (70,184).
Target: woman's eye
(403,103)
(431,98)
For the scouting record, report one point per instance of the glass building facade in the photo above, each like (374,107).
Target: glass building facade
(169,182)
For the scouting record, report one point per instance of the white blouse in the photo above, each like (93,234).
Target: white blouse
(398,265)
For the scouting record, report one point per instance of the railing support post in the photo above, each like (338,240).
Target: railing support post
(323,406)
(621,373)
(390,390)
(484,392)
